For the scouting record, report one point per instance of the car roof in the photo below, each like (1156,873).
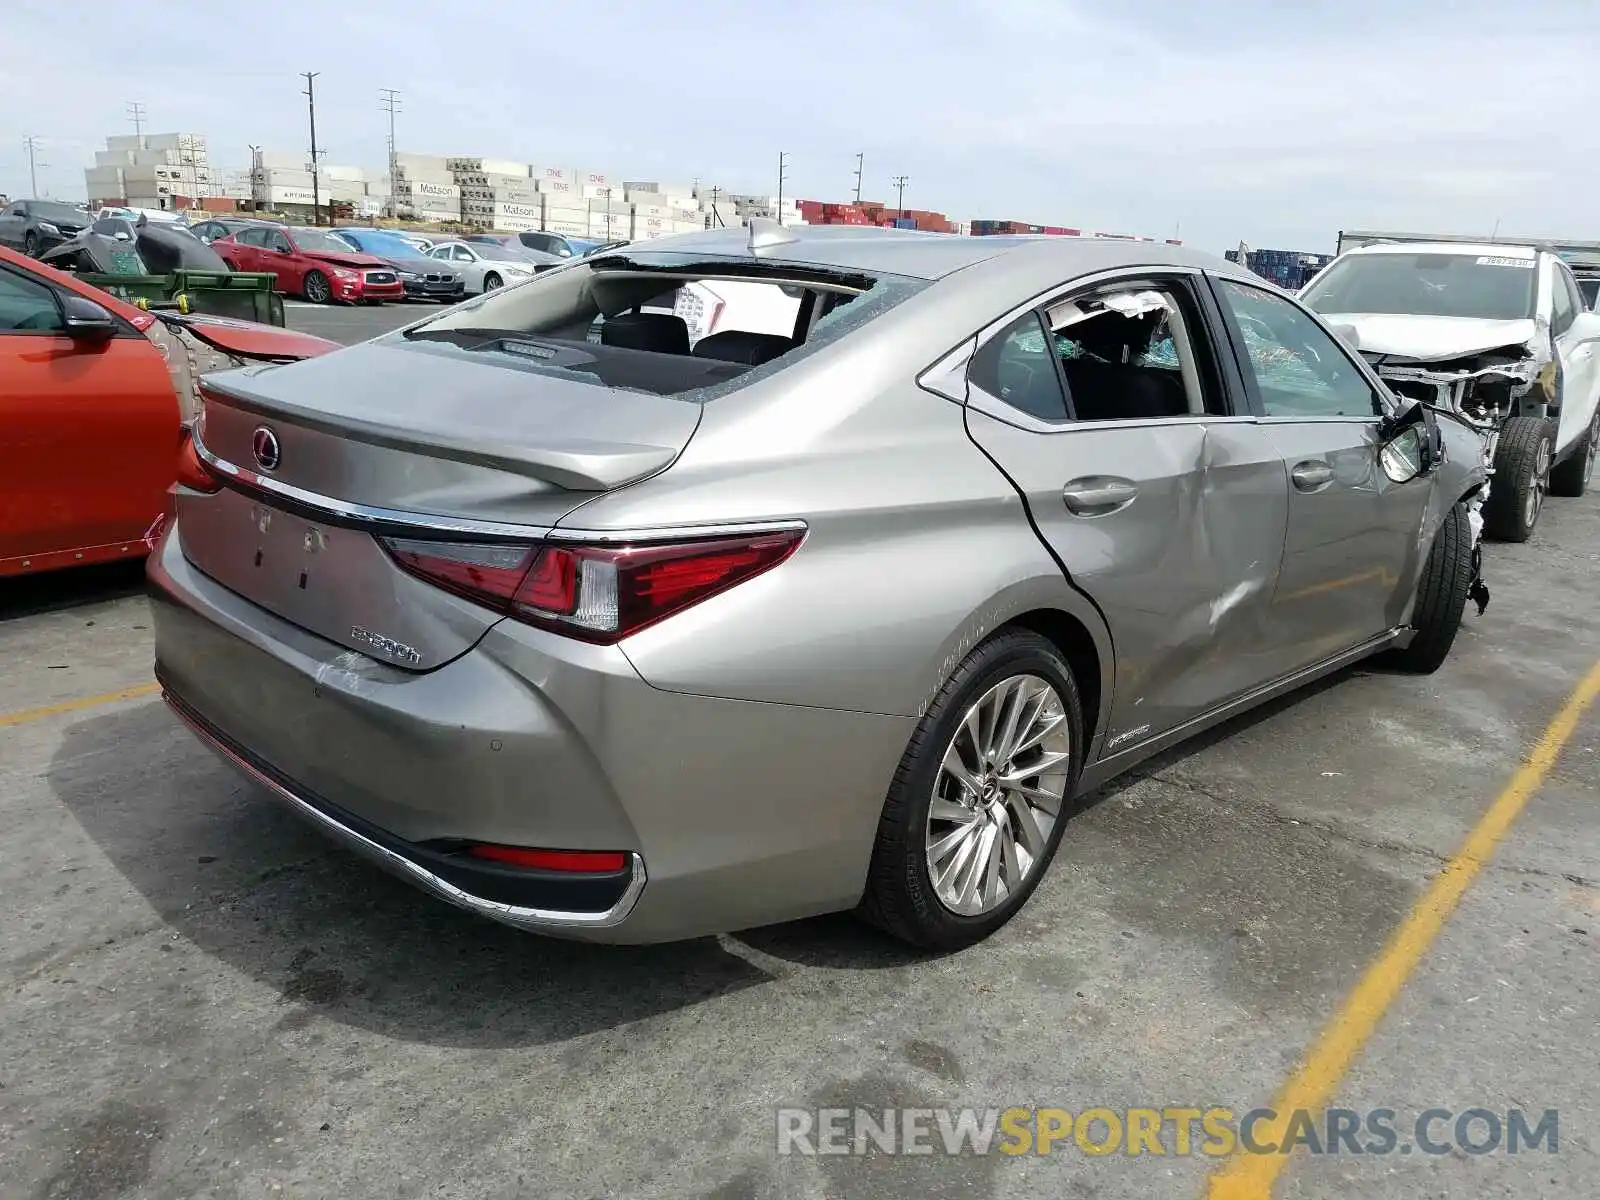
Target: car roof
(1483,249)
(934,255)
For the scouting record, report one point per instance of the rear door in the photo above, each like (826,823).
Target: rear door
(1351,557)
(88,433)
(246,249)
(1111,411)
(12,220)
(1573,330)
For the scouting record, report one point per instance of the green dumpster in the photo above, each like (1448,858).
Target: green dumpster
(243,295)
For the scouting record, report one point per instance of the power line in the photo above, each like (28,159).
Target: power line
(32,143)
(136,114)
(389,99)
(860,162)
(311,106)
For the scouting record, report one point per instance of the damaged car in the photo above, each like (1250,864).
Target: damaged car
(1498,335)
(521,615)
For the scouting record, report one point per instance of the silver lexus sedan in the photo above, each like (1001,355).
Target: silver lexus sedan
(603,631)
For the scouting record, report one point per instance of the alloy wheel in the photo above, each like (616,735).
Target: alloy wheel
(317,290)
(998,794)
(1539,484)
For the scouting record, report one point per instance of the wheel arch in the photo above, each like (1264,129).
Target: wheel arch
(1056,611)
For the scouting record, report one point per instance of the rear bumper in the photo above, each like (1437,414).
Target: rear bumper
(526,900)
(745,813)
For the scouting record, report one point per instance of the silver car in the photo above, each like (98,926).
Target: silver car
(599,631)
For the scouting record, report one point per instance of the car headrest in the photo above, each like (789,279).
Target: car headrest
(736,345)
(664,333)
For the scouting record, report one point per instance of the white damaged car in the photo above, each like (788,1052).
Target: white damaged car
(1497,334)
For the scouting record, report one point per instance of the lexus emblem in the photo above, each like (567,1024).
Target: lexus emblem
(264,444)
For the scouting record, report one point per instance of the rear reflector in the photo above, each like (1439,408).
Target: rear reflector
(581,861)
(596,593)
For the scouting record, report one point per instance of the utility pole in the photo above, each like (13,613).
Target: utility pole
(390,100)
(716,216)
(311,105)
(900,189)
(860,162)
(783,169)
(32,143)
(136,114)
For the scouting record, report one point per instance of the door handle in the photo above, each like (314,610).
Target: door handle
(1310,475)
(1097,495)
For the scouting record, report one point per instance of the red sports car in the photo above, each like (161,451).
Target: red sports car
(95,400)
(311,263)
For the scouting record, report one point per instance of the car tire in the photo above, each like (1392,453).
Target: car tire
(902,896)
(491,281)
(1521,479)
(316,288)
(1441,596)
(30,244)
(1571,475)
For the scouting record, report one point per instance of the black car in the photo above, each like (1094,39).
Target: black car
(34,226)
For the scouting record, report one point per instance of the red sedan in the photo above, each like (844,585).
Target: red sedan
(311,263)
(95,396)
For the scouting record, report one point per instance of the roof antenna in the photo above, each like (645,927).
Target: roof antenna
(766,233)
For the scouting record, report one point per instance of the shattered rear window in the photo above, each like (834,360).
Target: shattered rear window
(1483,287)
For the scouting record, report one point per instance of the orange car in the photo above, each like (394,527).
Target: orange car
(95,396)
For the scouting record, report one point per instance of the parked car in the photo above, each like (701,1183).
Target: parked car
(220,227)
(559,244)
(33,226)
(630,643)
(1498,335)
(312,263)
(93,393)
(487,265)
(422,277)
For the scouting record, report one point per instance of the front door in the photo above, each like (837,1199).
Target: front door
(1351,558)
(1109,414)
(1574,331)
(88,434)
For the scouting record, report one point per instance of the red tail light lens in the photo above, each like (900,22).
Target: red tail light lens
(192,470)
(591,861)
(597,593)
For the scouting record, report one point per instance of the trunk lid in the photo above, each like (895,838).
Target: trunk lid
(415,443)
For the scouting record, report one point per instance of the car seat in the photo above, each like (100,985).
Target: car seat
(663,333)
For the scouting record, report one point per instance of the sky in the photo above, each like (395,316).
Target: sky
(1273,123)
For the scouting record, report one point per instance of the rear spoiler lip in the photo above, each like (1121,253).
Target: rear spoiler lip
(572,463)
(388,520)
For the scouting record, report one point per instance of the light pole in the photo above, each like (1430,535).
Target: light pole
(391,102)
(32,143)
(311,106)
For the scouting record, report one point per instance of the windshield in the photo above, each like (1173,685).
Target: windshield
(58,212)
(673,324)
(320,241)
(1485,287)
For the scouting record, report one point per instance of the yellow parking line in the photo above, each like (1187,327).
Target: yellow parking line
(1251,1176)
(66,706)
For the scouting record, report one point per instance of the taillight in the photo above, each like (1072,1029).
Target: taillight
(192,470)
(597,593)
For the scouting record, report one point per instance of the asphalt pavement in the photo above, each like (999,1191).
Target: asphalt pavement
(201,997)
(349,324)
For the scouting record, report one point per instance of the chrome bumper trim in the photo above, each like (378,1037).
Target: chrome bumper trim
(533,919)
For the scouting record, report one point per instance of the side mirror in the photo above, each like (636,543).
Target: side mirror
(284,249)
(1411,443)
(87,321)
